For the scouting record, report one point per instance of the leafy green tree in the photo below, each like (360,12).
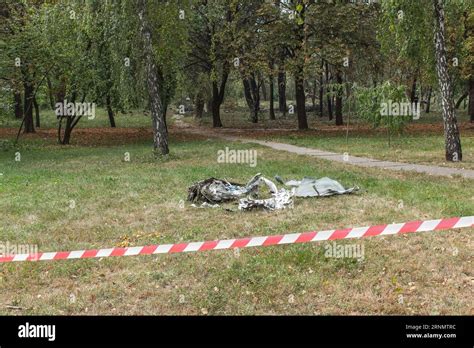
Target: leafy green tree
(162,34)
(371,101)
(411,25)
(210,36)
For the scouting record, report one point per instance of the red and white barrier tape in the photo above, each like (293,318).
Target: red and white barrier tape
(292,238)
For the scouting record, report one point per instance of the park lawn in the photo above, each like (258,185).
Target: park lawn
(409,148)
(134,118)
(422,142)
(87,196)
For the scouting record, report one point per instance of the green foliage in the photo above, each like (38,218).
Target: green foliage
(468,46)
(91,49)
(405,31)
(369,104)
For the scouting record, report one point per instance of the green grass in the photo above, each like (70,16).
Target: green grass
(138,203)
(422,141)
(419,148)
(49,120)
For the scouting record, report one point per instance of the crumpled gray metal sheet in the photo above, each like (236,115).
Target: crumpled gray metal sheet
(311,187)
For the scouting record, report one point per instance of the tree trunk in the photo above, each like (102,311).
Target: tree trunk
(71,122)
(451,132)
(208,105)
(272,110)
(339,120)
(282,90)
(199,104)
(460,100)
(247,93)
(61,91)
(300,98)
(28,107)
(321,90)
(254,88)
(160,135)
(264,89)
(252,96)
(110,111)
(50,93)
(413,89)
(37,112)
(329,102)
(313,96)
(67,131)
(70,119)
(471,100)
(329,97)
(165,112)
(428,100)
(17,105)
(216,106)
(218,95)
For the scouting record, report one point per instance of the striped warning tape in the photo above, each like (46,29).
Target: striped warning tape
(292,238)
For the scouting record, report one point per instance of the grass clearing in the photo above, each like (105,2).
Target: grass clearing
(422,142)
(408,148)
(138,203)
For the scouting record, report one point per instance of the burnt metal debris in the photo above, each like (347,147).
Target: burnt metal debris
(212,192)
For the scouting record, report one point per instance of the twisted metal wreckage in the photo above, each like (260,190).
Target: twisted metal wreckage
(212,192)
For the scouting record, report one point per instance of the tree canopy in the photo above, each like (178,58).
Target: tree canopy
(124,55)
